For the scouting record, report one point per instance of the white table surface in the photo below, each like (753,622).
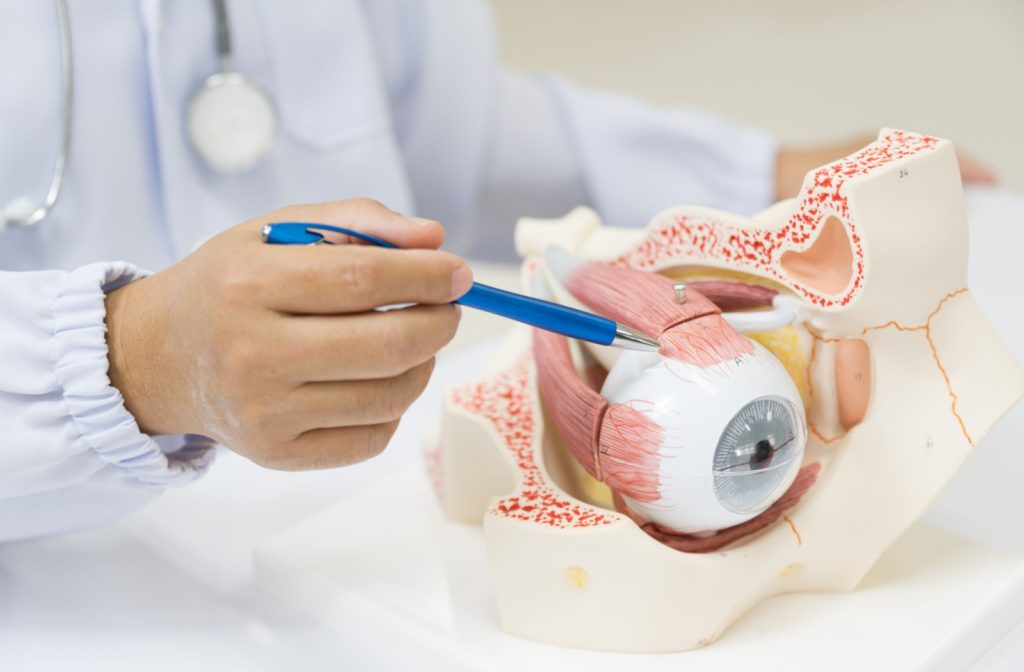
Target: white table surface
(171,587)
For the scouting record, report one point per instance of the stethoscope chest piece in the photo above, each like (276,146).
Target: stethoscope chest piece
(231,122)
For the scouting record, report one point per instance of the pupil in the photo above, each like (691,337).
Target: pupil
(762,456)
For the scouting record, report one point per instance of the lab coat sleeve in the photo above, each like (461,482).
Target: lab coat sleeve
(71,455)
(485,146)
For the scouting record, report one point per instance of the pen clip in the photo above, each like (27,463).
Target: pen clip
(304,233)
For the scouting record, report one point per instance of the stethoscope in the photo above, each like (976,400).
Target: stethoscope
(230,121)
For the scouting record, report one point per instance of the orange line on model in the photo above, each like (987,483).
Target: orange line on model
(944,299)
(892,323)
(942,369)
(796,532)
(821,437)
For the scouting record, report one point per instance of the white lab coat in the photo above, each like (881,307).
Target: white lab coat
(398,100)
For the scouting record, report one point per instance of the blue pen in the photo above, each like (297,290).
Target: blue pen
(536,312)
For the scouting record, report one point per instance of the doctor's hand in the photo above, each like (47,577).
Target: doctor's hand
(275,351)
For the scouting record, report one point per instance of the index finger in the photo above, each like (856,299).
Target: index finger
(366,216)
(331,279)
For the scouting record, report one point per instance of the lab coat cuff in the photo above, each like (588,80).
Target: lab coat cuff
(96,407)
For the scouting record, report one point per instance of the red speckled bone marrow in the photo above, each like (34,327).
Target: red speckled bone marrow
(697,237)
(507,403)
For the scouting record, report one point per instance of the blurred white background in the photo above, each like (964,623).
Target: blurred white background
(805,70)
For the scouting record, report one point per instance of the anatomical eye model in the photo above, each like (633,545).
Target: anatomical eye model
(704,435)
(823,372)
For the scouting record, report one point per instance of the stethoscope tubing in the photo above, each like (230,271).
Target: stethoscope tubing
(18,215)
(53,192)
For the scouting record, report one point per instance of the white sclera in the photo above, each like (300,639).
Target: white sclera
(693,406)
(231,123)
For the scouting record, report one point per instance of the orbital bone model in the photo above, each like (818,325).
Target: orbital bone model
(823,372)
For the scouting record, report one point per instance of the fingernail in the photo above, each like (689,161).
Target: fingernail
(462,280)
(422,221)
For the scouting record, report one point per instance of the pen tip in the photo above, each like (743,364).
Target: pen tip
(631,339)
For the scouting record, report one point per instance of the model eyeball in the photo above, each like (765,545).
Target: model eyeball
(756,452)
(732,435)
